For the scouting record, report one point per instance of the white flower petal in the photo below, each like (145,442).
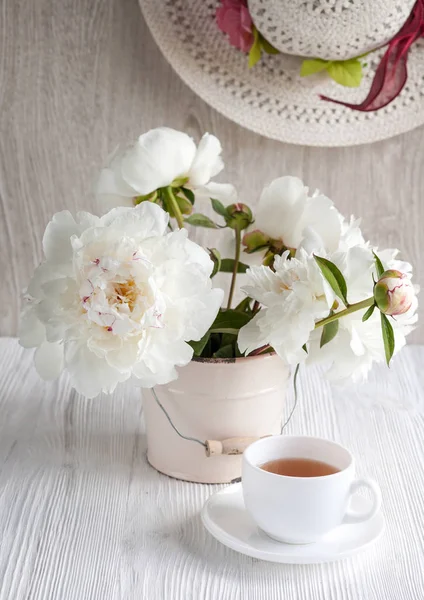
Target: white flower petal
(108,201)
(42,274)
(207,161)
(123,358)
(48,360)
(208,306)
(224,192)
(57,237)
(111,180)
(31,331)
(90,374)
(320,216)
(145,378)
(145,220)
(280,207)
(159,365)
(286,212)
(250,336)
(157,158)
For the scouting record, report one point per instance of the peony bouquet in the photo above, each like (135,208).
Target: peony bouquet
(129,295)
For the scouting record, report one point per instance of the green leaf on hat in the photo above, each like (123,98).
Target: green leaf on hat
(255,50)
(388,337)
(334,277)
(310,66)
(198,220)
(266,46)
(346,72)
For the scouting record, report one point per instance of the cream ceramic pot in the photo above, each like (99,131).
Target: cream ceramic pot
(213,400)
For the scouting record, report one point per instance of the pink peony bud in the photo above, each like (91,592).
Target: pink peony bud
(239,216)
(393,293)
(233,18)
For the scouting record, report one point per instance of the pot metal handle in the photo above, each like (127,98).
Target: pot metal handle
(235,445)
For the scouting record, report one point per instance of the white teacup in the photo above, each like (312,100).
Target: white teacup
(300,510)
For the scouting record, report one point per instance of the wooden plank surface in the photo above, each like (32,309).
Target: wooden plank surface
(84,517)
(77,77)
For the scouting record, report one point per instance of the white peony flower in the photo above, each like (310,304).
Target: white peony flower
(158,158)
(117,297)
(288,213)
(292,298)
(297,295)
(358,345)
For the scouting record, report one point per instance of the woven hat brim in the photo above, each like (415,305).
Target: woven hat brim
(271,98)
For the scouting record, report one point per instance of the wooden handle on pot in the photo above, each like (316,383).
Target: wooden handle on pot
(236,445)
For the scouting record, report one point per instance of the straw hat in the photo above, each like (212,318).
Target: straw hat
(272,98)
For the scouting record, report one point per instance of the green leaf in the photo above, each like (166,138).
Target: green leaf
(227,266)
(229,321)
(179,181)
(388,337)
(199,220)
(378,265)
(266,46)
(244,305)
(334,277)
(225,352)
(310,66)
(219,207)
(188,194)
(329,332)
(228,338)
(199,345)
(305,348)
(216,259)
(368,313)
(255,50)
(346,72)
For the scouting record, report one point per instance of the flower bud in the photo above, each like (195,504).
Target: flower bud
(239,216)
(393,293)
(255,240)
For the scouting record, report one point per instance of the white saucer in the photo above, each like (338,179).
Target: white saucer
(226,518)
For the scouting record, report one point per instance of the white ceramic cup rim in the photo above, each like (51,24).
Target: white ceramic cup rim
(264,441)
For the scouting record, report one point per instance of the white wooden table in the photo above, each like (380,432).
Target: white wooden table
(83,516)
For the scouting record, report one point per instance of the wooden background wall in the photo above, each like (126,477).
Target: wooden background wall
(79,76)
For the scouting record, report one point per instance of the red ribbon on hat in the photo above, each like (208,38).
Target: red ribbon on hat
(391,74)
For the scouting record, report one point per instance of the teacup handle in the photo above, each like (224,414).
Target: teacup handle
(358,517)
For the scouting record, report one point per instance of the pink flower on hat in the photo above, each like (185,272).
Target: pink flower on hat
(234,19)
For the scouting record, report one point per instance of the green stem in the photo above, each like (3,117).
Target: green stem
(169,194)
(235,269)
(347,311)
